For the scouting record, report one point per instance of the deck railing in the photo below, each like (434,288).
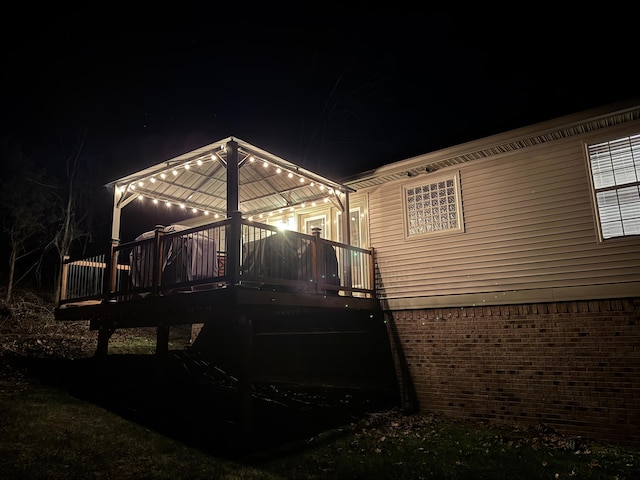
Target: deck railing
(233,251)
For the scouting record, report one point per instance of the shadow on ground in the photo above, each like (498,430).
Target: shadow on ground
(186,398)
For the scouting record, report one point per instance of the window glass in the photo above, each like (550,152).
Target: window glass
(433,207)
(615,171)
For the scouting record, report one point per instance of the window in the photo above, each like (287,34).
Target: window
(433,207)
(318,221)
(615,172)
(354,227)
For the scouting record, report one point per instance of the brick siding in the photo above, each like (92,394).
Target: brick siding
(574,366)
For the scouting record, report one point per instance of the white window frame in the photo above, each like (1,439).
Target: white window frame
(420,221)
(312,219)
(614,172)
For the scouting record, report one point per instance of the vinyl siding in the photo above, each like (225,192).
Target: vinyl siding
(529,224)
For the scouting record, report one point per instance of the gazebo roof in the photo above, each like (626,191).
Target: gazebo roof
(198,180)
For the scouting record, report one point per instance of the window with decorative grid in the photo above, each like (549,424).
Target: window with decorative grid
(433,206)
(615,174)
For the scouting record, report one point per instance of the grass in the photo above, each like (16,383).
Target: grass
(68,419)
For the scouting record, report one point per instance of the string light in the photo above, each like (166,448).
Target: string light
(213,156)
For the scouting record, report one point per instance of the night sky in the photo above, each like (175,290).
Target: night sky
(338,91)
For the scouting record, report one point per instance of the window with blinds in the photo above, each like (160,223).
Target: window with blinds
(615,172)
(433,206)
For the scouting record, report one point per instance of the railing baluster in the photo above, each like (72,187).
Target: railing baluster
(223,255)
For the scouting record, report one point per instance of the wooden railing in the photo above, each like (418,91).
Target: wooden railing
(233,251)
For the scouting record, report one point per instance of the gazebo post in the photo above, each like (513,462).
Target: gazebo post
(346,228)
(233,212)
(244,325)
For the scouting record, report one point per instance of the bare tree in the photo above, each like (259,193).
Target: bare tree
(24,204)
(73,217)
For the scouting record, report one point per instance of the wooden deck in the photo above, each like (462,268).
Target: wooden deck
(226,271)
(202,306)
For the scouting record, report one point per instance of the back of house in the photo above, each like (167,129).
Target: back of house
(509,271)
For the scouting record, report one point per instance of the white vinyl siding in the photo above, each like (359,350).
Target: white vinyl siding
(528,223)
(615,170)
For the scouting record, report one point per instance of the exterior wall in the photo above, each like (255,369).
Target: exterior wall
(529,235)
(574,366)
(525,316)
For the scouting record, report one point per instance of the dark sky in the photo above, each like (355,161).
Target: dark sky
(338,91)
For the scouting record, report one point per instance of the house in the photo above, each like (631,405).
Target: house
(505,272)
(509,272)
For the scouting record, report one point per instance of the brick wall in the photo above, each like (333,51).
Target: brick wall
(574,366)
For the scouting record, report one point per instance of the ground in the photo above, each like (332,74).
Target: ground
(185,398)
(180,394)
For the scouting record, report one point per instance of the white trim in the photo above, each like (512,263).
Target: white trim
(513,297)
(432,180)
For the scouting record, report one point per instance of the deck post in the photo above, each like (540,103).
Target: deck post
(316,272)
(112,271)
(232,264)
(104,334)
(157,260)
(63,279)
(372,271)
(244,382)
(162,339)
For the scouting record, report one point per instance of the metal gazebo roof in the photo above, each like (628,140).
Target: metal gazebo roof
(198,180)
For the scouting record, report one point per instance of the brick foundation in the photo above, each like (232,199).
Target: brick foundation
(574,366)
